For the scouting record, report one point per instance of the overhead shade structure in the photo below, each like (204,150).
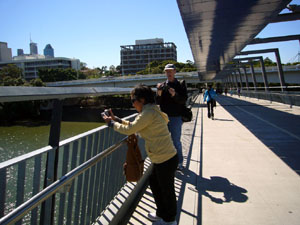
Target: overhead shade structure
(217,30)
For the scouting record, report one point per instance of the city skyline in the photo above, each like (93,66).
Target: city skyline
(93,31)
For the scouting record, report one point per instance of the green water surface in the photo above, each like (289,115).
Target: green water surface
(18,140)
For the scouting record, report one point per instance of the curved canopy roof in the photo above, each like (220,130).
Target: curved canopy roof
(218,30)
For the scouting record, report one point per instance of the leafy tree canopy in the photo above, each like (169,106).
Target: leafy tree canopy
(157,67)
(57,74)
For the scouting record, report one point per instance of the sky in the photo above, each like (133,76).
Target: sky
(94,30)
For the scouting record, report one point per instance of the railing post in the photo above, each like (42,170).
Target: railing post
(3,177)
(48,207)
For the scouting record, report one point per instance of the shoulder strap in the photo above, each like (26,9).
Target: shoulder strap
(182,82)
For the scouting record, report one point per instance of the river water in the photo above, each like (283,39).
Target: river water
(18,140)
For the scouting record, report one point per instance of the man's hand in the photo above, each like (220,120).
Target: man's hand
(159,88)
(172,92)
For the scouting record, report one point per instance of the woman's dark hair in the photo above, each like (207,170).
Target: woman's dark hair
(143,91)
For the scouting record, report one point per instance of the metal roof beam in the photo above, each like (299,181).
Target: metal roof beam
(274,39)
(286,17)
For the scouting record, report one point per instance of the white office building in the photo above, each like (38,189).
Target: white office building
(30,64)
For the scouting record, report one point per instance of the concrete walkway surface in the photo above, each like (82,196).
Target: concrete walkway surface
(241,168)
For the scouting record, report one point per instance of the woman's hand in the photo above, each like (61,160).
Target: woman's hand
(106,118)
(112,115)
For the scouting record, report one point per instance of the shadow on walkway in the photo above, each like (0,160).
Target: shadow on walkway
(210,188)
(278,130)
(216,184)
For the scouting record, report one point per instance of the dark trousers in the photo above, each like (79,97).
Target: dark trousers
(161,182)
(210,109)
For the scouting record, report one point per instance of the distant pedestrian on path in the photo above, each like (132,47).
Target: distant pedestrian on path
(171,96)
(209,97)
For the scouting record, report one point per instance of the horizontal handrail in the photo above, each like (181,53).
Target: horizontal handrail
(76,137)
(30,204)
(124,78)
(27,156)
(14,94)
(48,148)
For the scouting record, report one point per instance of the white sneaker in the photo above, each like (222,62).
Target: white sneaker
(153,217)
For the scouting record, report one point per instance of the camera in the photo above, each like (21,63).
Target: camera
(106,113)
(163,87)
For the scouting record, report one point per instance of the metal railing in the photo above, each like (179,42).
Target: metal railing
(68,182)
(90,174)
(60,183)
(289,97)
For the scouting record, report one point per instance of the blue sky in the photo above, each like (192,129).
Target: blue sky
(94,30)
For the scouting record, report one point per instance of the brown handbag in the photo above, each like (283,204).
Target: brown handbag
(134,165)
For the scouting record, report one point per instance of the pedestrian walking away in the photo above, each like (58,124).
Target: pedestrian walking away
(209,97)
(151,125)
(171,95)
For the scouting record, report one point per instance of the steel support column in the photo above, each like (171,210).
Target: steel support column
(246,78)
(235,79)
(253,75)
(240,76)
(278,61)
(264,74)
(280,70)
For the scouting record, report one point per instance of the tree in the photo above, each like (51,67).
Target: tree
(11,70)
(269,62)
(119,69)
(57,74)
(83,66)
(37,83)
(11,75)
(157,67)
(112,70)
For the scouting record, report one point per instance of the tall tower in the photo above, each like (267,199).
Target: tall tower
(33,48)
(5,52)
(20,52)
(49,51)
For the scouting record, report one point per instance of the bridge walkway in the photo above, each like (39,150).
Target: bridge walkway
(241,168)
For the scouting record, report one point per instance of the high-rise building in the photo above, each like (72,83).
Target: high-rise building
(135,58)
(49,51)
(20,52)
(33,48)
(5,52)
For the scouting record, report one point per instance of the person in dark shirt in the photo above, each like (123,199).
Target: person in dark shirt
(171,96)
